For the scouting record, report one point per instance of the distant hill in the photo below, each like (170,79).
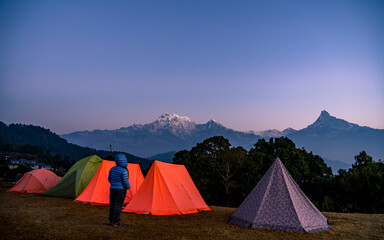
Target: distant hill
(168,133)
(338,140)
(164,157)
(337,165)
(49,141)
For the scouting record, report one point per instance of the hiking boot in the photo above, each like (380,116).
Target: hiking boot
(111,224)
(118,224)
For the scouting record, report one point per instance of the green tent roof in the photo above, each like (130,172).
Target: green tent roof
(77,178)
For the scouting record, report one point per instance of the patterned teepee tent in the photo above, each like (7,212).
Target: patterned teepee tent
(278,203)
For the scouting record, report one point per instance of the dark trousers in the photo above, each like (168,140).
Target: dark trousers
(116,201)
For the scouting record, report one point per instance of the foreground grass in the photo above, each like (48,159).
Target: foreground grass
(33,216)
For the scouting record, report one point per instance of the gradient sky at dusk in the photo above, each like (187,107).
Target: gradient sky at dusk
(250,65)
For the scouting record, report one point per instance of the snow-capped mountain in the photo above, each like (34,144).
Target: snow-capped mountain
(274,133)
(170,132)
(175,124)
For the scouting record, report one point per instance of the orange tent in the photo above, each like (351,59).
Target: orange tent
(97,191)
(36,181)
(167,190)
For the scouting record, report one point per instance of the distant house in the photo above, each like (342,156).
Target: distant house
(34,164)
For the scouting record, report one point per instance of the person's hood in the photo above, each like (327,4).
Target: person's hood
(121,160)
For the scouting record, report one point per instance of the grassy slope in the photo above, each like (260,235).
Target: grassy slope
(33,216)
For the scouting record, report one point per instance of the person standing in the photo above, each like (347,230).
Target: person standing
(118,178)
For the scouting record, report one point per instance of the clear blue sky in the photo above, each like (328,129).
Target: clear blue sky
(250,65)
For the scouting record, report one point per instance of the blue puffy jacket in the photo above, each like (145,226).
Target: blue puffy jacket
(118,175)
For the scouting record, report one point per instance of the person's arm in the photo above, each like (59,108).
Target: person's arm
(109,177)
(124,179)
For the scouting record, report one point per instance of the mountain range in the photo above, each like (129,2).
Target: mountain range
(169,132)
(335,140)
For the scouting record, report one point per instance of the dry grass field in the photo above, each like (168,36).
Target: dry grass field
(33,216)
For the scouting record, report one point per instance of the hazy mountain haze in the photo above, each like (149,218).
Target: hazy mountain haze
(332,138)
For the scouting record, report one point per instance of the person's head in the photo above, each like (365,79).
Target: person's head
(121,160)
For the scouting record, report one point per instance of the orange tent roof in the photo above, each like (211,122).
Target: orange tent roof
(36,181)
(97,191)
(167,190)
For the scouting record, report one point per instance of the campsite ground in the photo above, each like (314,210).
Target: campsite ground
(33,216)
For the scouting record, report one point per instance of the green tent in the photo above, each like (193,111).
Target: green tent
(77,178)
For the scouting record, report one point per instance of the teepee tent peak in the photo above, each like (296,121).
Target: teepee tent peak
(36,181)
(77,178)
(167,190)
(97,191)
(278,203)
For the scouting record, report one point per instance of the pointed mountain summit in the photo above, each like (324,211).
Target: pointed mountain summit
(336,139)
(325,120)
(324,114)
(214,124)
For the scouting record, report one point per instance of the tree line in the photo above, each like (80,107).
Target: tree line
(59,164)
(225,175)
(28,138)
(27,151)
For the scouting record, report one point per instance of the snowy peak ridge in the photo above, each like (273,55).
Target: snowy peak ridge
(180,125)
(174,123)
(274,133)
(269,133)
(171,117)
